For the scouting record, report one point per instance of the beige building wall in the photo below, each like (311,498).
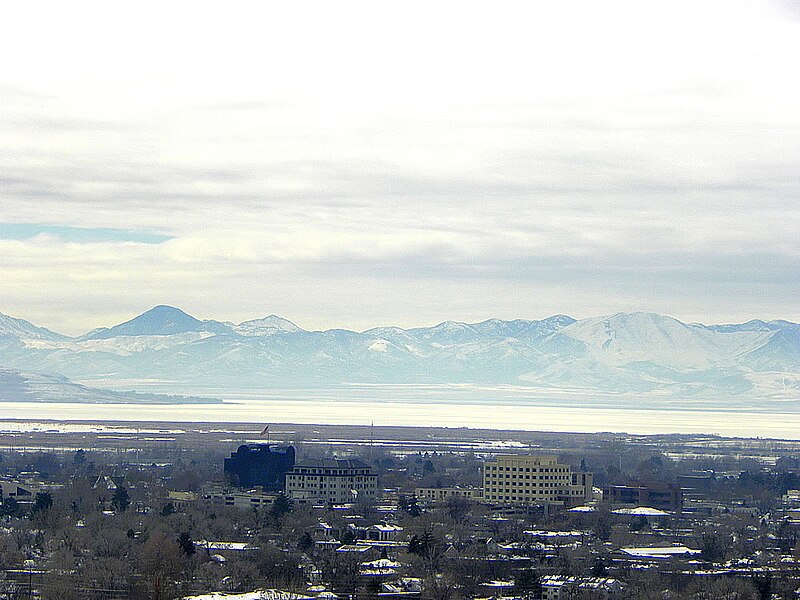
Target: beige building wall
(518,479)
(336,481)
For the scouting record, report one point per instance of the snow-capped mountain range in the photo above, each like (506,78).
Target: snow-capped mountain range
(640,353)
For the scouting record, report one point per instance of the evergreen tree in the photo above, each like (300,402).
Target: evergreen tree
(9,507)
(527,584)
(281,506)
(305,543)
(43,501)
(121,500)
(186,543)
(80,457)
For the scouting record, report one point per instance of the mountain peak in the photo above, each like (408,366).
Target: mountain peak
(266,326)
(159,320)
(164,311)
(22,329)
(164,308)
(559,319)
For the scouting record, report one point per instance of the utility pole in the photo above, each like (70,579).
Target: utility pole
(371,438)
(29,563)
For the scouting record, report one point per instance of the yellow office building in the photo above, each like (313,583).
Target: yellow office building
(516,479)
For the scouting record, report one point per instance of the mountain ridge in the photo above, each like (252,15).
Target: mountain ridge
(165,309)
(638,352)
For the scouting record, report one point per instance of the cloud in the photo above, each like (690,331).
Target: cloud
(515,162)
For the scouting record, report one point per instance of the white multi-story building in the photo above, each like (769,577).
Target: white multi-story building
(334,481)
(519,479)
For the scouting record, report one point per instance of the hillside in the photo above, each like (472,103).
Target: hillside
(17,386)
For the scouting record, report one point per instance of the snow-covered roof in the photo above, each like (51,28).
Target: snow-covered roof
(498,584)
(382,563)
(596,583)
(660,552)
(386,528)
(582,509)
(254,595)
(237,546)
(555,534)
(357,548)
(641,511)
(404,585)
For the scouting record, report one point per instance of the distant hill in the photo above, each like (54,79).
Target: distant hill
(160,320)
(626,353)
(17,386)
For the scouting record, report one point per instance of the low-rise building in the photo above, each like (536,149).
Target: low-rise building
(255,498)
(556,587)
(180,500)
(335,481)
(661,496)
(534,479)
(444,494)
(792,498)
(383,532)
(658,553)
(109,482)
(17,491)
(405,587)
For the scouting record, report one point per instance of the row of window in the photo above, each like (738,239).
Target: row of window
(356,486)
(530,469)
(334,471)
(320,477)
(529,484)
(521,496)
(541,477)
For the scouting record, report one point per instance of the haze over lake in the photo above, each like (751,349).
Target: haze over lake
(446,406)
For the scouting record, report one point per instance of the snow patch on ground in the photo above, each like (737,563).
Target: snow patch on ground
(379,346)
(255,595)
(123,345)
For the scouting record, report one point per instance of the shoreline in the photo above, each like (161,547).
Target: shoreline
(500,418)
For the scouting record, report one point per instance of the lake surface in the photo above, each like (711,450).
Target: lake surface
(446,407)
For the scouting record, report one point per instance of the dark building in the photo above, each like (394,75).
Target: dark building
(698,482)
(259,465)
(663,497)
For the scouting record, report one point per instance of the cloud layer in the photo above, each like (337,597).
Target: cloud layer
(357,166)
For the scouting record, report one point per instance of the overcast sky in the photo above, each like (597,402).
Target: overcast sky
(361,164)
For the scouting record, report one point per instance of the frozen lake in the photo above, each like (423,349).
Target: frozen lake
(390,406)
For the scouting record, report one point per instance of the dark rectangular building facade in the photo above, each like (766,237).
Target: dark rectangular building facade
(260,465)
(663,497)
